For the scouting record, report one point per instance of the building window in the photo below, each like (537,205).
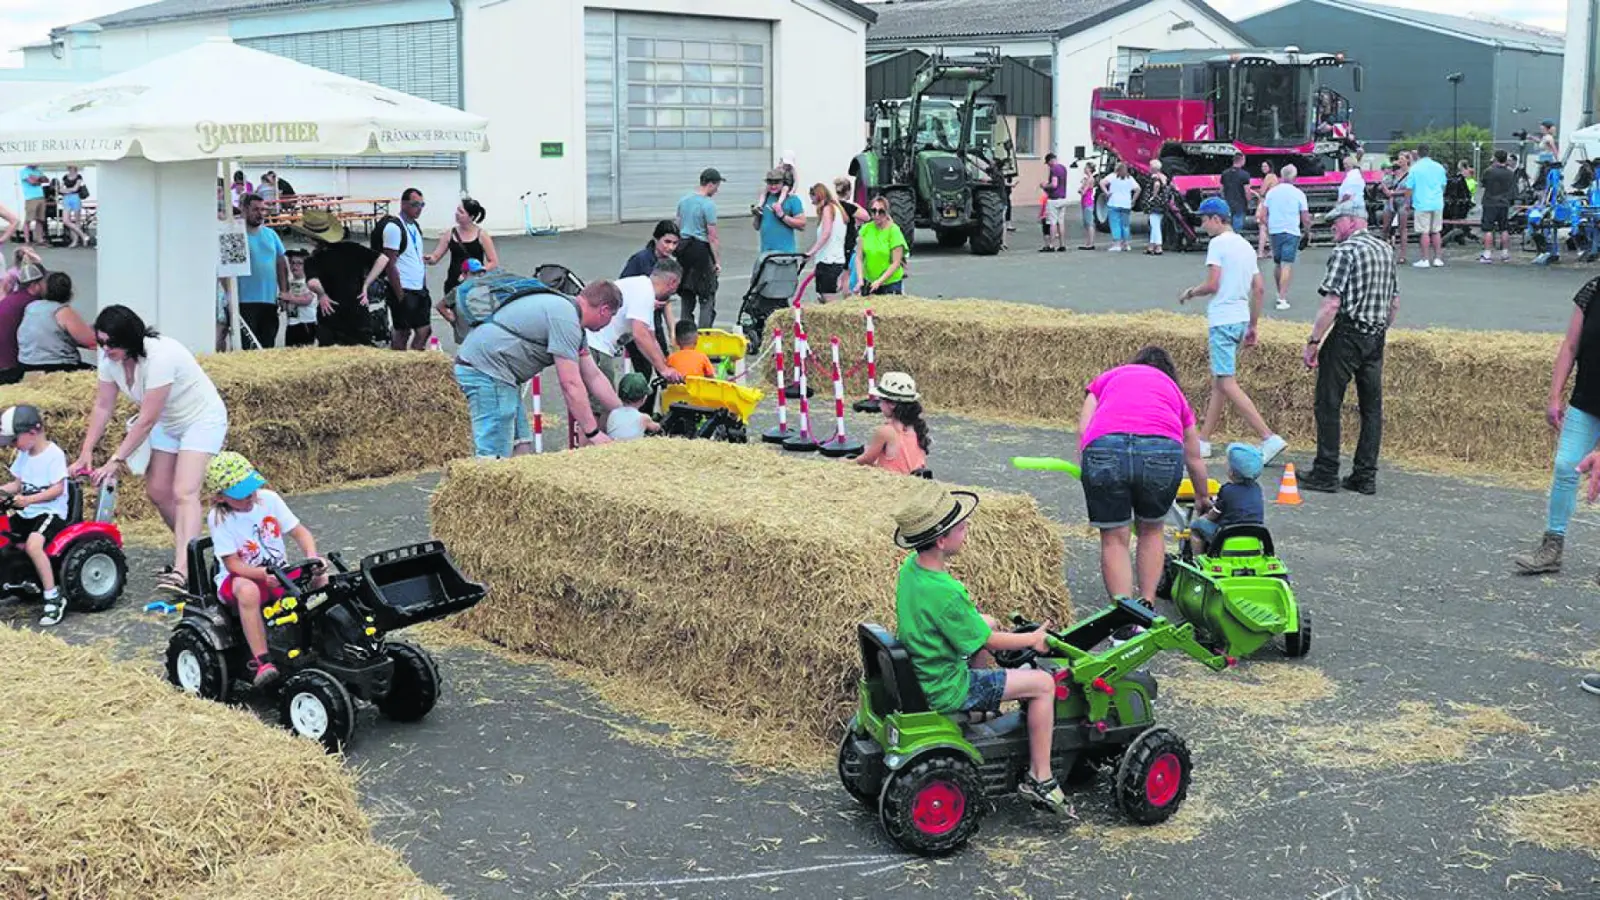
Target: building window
(1027,135)
(1128,59)
(1045,64)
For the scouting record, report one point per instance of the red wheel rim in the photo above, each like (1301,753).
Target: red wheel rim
(938,808)
(1161,784)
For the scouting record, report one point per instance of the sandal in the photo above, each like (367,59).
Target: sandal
(1045,795)
(172,580)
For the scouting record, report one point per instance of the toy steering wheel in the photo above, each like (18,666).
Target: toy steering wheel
(304,572)
(1016,659)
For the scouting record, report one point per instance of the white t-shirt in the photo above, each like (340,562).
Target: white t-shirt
(1284,205)
(624,424)
(413,274)
(1121,193)
(638,304)
(301,315)
(1353,185)
(1230,305)
(256,536)
(193,397)
(39,472)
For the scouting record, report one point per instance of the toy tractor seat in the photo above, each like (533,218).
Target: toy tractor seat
(886,667)
(74,502)
(1243,539)
(203,567)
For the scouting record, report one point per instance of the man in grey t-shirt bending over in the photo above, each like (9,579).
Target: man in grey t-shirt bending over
(518,342)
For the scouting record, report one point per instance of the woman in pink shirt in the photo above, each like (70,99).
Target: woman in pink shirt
(1138,434)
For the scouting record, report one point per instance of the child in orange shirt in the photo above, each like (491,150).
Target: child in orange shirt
(689,361)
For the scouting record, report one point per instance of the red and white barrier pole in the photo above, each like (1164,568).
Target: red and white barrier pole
(802,352)
(780,432)
(840,444)
(870,402)
(537,396)
(802,442)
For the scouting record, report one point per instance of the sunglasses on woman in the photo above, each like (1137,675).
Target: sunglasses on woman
(879,211)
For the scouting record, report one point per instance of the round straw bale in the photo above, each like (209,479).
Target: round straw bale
(114,785)
(731,575)
(1026,362)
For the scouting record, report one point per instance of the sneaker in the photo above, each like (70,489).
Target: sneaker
(54,609)
(1438,263)
(1505,257)
(1114,249)
(1124,634)
(1271,447)
(1282,303)
(1422,264)
(1205,449)
(1361,487)
(264,673)
(1044,795)
(1486,259)
(1591,683)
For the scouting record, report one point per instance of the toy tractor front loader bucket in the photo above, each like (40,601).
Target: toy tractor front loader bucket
(1240,614)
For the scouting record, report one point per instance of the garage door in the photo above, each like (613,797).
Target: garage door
(690,92)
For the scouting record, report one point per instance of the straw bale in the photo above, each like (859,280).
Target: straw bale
(307,418)
(113,785)
(351,868)
(730,575)
(1028,363)
(1555,820)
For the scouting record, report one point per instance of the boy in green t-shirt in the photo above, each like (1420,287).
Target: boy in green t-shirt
(942,630)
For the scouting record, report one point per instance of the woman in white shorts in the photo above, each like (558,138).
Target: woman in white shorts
(180,413)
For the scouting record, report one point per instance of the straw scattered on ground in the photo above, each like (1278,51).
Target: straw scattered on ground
(730,577)
(114,785)
(307,418)
(1011,361)
(1420,734)
(1252,689)
(1555,820)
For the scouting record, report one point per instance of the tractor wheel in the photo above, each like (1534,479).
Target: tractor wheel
(414,688)
(1298,644)
(197,667)
(903,210)
(1102,212)
(315,705)
(932,807)
(951,238)
(93,572)
(989,235)
(1153,777)
(850,762)
(1173,166)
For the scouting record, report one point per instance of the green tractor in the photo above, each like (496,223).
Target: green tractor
(943,163)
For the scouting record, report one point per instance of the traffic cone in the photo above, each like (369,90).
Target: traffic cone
(1289,488)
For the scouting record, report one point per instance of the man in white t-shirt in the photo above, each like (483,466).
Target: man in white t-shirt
(1233,282)
(38,491)
(410,307)
(1288,220)
(634,327)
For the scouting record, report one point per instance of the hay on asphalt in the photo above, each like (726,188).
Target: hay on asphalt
(729,575)
(1555,820)
(112,784)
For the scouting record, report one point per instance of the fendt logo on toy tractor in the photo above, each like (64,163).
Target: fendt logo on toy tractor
(1193,110)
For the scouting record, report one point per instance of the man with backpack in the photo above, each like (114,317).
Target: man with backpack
(400,241)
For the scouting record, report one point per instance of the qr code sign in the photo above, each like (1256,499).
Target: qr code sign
(231,250)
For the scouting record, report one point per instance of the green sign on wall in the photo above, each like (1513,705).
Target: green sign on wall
(552,150)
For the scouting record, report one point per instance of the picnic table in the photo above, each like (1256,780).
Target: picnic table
(353,212)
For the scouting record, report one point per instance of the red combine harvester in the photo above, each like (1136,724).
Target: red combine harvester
(1194,109)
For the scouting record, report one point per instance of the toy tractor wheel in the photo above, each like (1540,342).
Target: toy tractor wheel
(932,807)
(93,573)
(196,667)
(849,765)
(315,705)
(414,688)
(1153,778)
(1298,643)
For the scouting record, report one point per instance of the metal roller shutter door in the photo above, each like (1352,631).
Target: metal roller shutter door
(600,113)
(691,92)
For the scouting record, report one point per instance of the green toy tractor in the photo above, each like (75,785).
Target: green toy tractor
(1238,596)
(932,776)
(942,162)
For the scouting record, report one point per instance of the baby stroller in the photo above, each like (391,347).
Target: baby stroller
(1457,208)
(776,280)
(560,278)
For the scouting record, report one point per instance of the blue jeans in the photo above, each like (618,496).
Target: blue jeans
(1238,222)
(1130,476)
(1119,223)
(1579,434)
(499,418)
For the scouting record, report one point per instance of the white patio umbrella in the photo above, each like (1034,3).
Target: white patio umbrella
(156,133)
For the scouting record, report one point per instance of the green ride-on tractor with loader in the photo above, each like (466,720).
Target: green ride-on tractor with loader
(932,776)
(1237,595)
(943,163)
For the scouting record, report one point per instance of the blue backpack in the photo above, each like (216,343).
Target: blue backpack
(480,297)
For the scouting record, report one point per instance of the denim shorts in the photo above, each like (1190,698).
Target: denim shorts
(1204,529)
(1285,248)
(985,688)
(1088,217)
(1130,476)
(1225,341)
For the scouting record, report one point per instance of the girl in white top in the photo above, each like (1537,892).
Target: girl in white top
(180,413)
(828,251)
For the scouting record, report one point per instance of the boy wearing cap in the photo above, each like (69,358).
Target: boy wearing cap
(628,421)
(1239,502)
(38,492)
(946,636)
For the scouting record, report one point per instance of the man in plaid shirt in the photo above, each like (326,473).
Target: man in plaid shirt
(1360,297)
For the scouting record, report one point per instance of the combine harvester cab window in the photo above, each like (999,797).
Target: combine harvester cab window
(1273,105)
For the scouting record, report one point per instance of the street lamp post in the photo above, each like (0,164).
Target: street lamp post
(1455,110)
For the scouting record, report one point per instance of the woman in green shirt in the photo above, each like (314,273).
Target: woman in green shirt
(881,252)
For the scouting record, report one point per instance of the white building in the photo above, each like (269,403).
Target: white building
(1083,44)
(608,108)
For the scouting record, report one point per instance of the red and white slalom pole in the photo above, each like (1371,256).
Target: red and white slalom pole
(780,432)
(802,354)
(840,444)
(803,441)
(537,396)
(870,402)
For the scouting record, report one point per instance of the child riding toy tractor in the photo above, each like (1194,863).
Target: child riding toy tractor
(931,776)
(90,568)
(330,642)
